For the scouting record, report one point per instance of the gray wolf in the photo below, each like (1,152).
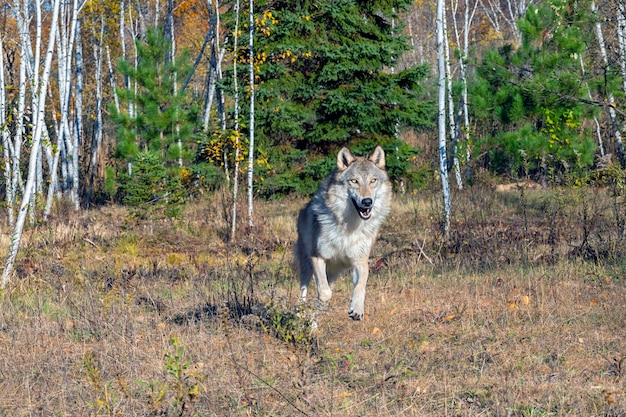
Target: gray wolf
(338,227)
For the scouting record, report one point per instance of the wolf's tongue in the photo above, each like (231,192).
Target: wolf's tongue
(366,213)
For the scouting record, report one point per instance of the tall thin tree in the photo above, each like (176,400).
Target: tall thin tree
(441,119)
(236,127)
(251,137)
(16,236)
(611,96)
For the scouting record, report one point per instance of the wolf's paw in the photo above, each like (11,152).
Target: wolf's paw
(356,315)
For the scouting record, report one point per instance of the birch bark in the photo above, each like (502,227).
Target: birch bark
(236,127)
(611,97)
(251,145)
(6,137)
(37,134)
(441,121)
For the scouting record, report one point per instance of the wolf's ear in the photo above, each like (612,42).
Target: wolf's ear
(344,159)
(378,157)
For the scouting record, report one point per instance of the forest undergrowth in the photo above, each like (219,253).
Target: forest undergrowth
(519,312)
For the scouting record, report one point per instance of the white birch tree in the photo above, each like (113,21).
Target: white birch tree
(621,39)
(5,135)
(251,137)
(462,41)
(236,127)
(39,121)
(595,119)
(451,116)
(611,97)
(97,135)
(211,74)
(68,141)
(441,119)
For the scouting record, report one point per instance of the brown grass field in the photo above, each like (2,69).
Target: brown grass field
(520,312)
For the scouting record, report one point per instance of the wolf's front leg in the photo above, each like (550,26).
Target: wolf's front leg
(359,277)
(324,292)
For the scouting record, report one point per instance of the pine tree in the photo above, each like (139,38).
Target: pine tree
(534,99)
(158,110)
(324,81)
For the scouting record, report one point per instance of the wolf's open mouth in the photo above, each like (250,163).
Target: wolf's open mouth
(364,212)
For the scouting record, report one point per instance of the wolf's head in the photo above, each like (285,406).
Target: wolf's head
(365,179)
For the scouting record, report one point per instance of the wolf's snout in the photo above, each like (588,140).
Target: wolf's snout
(367,203)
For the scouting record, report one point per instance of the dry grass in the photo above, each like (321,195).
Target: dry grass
(519,313)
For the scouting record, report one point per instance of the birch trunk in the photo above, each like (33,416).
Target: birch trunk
(37,133)
(170,18)
(595,119)
(116,99)
(251,145)
(236,127)
(451,118)
(468,18)
(211,74)
(6,138)
(68,139)
(441,121)
(621,39)
(611,97)
(96,140)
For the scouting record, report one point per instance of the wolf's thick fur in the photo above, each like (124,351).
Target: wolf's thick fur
(337,228)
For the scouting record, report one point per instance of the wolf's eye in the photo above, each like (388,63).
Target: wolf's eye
(354,181)
(373,180)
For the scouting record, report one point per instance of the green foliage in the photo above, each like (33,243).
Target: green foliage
(531,98)
(110,186)
(149,136)
(293,328)
(324,81)
(150,188)
(201,177)
(161,117)
(300,172)
(181,387)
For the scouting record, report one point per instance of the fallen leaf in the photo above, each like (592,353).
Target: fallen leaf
(452,317)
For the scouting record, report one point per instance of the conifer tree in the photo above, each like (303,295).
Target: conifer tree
(159,110)
(322,70)
(532,98)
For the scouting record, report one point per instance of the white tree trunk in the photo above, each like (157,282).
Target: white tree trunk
(16,236)
(96,140)
(212,73)
(451,116)
(441,121)
(621,39)
(179,141)
(468,18)
(236,99)
(251,146)
(611,97)
(595,119)
(6,138)
(116,99)
(68,141)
